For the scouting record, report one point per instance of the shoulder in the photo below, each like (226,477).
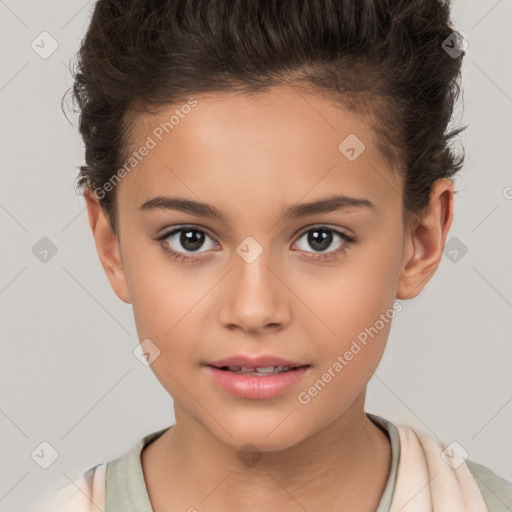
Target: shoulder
(85,493)
(495,490)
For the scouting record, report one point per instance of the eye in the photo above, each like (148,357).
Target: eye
(321,238)
(192,239)
(189,238)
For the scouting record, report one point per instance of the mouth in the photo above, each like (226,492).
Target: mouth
(256,378)
(260,371)
(262,364)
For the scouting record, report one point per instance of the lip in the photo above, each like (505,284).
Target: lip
(256,387)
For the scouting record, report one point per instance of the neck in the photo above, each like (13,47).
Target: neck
(346,463)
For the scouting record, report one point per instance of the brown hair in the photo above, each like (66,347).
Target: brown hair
(384,57)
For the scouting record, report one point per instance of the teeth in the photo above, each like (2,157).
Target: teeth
(266,370)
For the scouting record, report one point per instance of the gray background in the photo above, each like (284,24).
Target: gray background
(69,376)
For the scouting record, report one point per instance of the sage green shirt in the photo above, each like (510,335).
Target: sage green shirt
(126,489)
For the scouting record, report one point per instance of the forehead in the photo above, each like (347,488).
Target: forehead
(281,145)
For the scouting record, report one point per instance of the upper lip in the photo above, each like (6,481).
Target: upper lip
(254,362)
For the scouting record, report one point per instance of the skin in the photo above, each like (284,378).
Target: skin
(252,156)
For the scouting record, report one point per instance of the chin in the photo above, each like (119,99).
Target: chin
(259,433)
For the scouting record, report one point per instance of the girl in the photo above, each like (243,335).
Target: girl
(265,180)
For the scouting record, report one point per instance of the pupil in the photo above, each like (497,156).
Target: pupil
(320,239)
(191,240)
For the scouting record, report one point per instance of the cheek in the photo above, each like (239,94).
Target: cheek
(348,358)
(352,296)
(159,297)
(353,306)
(166,301)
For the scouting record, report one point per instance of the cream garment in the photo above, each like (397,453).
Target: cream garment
(424,482)
(85,494)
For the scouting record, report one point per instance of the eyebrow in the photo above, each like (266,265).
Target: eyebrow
(325,205)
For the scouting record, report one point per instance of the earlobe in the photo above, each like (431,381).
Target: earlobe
(424,244)
(107,247)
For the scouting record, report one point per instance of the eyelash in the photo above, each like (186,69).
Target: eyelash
(181,257)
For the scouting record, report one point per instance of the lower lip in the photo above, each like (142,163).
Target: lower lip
(254,387)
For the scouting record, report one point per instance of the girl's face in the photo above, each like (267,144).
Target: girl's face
(292,270)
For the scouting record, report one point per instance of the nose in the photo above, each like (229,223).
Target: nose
(253,296)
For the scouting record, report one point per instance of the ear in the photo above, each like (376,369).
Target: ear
(424,243)
(107,246)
